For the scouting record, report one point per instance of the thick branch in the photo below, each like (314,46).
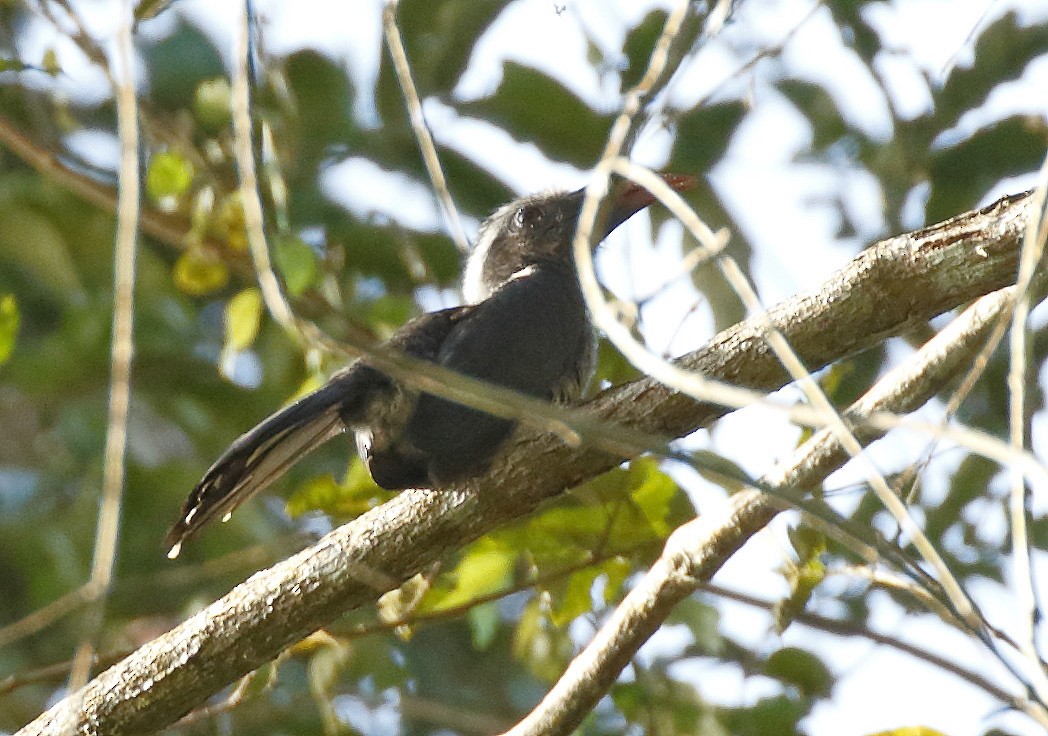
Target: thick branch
(886,290)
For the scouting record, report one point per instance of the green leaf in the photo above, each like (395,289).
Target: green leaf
(720,470)
(356,494)
(9,321)
(168,177)
(228,223)
(802,669)
(666,706)
(703,135)
(544,648)
(212,104)
(612,367)
(703,621)
(439,40)
(776,715)
(961,174)
(177,63)
(617,569)
(485,568)
(1002,52)
(484,623)
(30,241)
(147,9)
(820,108)
(623,511)
(397,605)
(572,599)
(16,65)
(639,44)
(49,63)
(575,134)
(321,493)
(389,312)
(297,264)
(654,493)
(395,255)
(243,317)
(323,100)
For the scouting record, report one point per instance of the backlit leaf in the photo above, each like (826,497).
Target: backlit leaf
(9,321)
(243,317)
(168,177)
(297,264)
(485,568)
(198,274)
(800,668)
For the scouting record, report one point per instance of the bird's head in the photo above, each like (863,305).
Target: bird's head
(539,228)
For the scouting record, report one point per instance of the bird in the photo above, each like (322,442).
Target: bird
(524,326)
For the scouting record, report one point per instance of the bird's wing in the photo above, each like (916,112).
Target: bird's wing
(532,335)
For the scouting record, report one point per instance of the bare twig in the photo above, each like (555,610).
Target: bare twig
(55,671)
(847,628)
(44,617)
(120,361)
(268,283)
(402,67)
(1018,421)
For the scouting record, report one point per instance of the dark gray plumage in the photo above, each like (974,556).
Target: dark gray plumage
(525,328)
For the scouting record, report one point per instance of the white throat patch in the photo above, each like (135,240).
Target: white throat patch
(473,286)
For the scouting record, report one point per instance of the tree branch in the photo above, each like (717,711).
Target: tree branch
(697,550)
(885,291)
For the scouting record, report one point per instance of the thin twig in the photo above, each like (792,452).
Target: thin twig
(402,67)
(1018,421)
(764,53)
(55,671)
(847,628)
(784,351)
(79,35)
(120,360)
(43,617)
(276,304)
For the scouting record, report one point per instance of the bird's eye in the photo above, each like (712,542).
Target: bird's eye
(527,217)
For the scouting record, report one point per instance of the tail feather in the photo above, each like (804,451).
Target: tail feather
(256,459)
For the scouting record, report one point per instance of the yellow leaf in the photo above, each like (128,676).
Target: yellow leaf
(9,321)
(168,177)
(230,223)
(198,274)
(243,316)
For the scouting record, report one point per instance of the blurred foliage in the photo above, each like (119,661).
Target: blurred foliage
(485,633)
